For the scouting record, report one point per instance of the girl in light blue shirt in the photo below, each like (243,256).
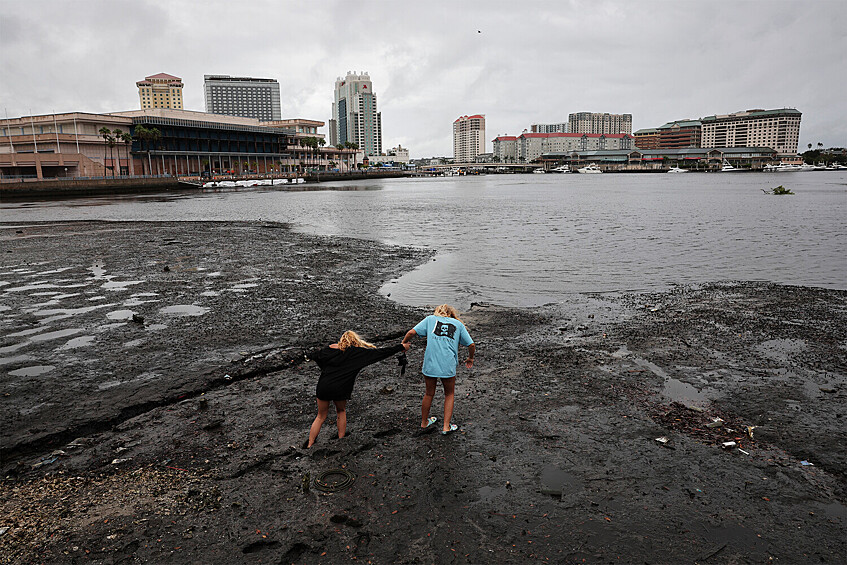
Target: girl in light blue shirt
(444,333)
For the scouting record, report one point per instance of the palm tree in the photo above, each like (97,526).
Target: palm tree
(105,133)
(116,136)
(321,142)
(127,139)
(820,145)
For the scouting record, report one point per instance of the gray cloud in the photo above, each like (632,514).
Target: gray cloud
(534,61)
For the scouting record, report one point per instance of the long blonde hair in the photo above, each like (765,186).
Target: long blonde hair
(349,338)
(447,311)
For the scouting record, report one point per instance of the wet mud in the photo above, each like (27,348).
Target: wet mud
(156,392)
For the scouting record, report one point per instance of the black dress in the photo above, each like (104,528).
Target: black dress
(340,368)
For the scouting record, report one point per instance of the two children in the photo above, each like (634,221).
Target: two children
(341,362)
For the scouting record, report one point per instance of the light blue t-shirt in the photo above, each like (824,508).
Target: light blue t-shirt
(443,338)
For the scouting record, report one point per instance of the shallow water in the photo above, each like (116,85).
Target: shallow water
(524,240)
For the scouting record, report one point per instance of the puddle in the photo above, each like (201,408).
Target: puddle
(97,271)
(52,293)
(111,326)
(134,343)
(235,290)
(215,274)
(143,377)
(556,482)
(15,359)
(43,286)
(54,271)
(144,294)
(5,308)
(82,341)
(55,335)
(32,371)
(70,311)
(118,285)
(156,327)
(26,332)
(674,389)
(12,348)
(137,301)
(93,298)
(210,293)
(246,285)
(120,315)
(184,310)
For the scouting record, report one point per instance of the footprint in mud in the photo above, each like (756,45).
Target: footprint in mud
(387,433)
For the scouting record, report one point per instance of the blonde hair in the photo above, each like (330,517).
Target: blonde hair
(349,338)
(447,311)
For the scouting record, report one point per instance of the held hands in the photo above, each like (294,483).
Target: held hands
(406,346)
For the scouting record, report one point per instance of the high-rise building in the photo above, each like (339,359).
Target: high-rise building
(777,129)
(160,91)
(599,122)
(245,97)
(672,135)
(355,118)
(549,128)
(468,137)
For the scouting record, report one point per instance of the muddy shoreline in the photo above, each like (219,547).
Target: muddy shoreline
(156,390)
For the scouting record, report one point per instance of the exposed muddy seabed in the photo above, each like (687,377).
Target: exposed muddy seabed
(154,415)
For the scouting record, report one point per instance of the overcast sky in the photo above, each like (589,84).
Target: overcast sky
(517,62)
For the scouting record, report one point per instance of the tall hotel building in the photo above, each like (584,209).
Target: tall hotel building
(597,122)
(355,117)
(244,97)
(468,138)
(777,129)
(160,91)
(549,128)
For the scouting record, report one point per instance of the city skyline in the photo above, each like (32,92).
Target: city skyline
(659,61)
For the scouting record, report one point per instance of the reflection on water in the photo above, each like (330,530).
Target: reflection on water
(523,240)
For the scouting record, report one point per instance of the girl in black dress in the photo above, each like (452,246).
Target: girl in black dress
(340,363)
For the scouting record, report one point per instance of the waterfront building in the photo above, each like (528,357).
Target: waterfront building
(300,126)
(355,118)
(660,160)
(647,138)
(599,122)
(505,149)
(468,138)
(549,128)
(246,97)
(777,129)
(530,146)
(160,91)
(681,133)
(396,155)
(70,145)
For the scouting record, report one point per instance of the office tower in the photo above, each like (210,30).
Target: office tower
(245,97)
(160,91)
(599,122)
(468,137)
(355,118)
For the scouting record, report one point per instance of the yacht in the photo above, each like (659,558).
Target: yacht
(561,169)
(539,171)
(727,168)
(677,170)
(590,169)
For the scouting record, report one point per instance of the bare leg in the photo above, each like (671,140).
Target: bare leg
(341,417)
(323,410)
(427,399)
(449,395)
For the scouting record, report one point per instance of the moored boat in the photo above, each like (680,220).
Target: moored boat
(677,170)
(590,169)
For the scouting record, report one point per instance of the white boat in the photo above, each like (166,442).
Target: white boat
(591,169)
(298,180)
(806,167)
(280,181)
(727,168)
(539,171)
(677,170)
(561,169)
(769,168)
(226,183)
